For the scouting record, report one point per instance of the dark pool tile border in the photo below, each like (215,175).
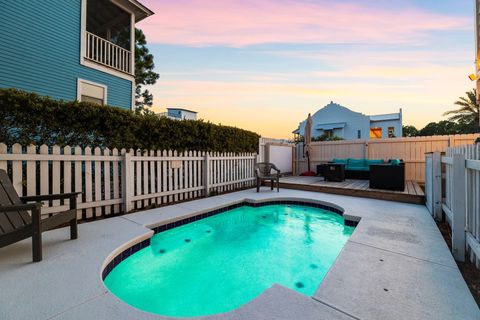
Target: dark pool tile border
(124,255)
(145,243)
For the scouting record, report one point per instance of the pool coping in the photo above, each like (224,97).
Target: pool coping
(404,235)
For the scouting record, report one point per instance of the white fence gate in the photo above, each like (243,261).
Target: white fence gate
(279,152)
(118,181)
(457,197)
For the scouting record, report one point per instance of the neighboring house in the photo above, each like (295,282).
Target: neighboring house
(336,120)
(71,49)
(179,114)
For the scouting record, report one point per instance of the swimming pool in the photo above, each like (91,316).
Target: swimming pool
(217,264)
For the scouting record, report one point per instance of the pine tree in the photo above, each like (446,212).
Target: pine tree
(144,74)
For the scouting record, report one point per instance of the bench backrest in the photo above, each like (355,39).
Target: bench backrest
(10,221)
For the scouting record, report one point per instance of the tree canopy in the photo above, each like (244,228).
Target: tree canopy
(468,113)
(144,74)
(461,121)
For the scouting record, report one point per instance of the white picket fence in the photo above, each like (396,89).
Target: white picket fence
(119,181)
(455,194)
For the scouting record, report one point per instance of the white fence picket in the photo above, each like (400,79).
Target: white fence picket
(44,177)
(31,172)
(158,183)
(17,174)
(175,177)
(180,176)
(138,177)
(195,173)
(116,180)
(3,163)
(88,183)
(78,179)
(107,181)
(152,177)
(67,173)
(144,176)
(98,182)
(55,174)
(165,175)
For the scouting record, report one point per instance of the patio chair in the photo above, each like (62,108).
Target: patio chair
(263,172)
(17,224)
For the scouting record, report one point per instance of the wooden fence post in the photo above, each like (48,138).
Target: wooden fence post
(437,185)
(127,181)
(206,174)
(458,207)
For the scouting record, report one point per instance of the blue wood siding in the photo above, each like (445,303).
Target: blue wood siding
(40,51)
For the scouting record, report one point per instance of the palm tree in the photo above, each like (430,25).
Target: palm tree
(469,109)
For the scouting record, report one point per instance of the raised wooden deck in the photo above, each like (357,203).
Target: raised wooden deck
(413,193)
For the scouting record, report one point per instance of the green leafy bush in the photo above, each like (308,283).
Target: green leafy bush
(28,118)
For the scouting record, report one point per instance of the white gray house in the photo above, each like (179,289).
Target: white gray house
(336,120)
(179,114)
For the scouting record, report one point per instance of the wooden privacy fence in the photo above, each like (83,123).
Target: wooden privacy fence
(279,151)
(453,193)
(118,181)
(411,150)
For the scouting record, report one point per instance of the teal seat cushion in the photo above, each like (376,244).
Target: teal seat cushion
(356,162)
(340,161)
(369,162)
(357,168)
(395,162)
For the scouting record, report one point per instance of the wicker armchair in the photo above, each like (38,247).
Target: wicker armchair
(263,172)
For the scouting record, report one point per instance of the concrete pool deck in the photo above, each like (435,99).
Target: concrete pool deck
(396,265)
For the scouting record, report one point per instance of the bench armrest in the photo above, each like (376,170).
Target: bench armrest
(17,207)
(50,197)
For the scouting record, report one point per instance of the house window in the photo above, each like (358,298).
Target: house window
(391,132)
(328,133)
(88,91)
(359,134)
(375,133)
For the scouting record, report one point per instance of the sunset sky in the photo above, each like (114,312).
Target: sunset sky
(263,65)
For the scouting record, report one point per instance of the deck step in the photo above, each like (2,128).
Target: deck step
(413,193)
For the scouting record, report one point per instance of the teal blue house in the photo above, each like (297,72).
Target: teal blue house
(71,49)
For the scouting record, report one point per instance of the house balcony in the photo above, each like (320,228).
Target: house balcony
(108,54)
(108,35)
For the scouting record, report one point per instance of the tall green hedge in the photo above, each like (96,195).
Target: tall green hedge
(28,118)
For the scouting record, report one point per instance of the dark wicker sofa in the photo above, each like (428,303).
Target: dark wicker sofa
(388,176)
(357,168)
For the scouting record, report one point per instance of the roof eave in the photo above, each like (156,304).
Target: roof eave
(182,110)
(139,10)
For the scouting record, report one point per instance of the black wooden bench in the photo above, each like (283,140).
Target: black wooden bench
(17,224)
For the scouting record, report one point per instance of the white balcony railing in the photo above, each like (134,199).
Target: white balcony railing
(107,53)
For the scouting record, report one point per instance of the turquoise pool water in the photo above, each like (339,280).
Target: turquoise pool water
(216,264)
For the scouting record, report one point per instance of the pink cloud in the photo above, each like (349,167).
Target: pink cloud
(241,23)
